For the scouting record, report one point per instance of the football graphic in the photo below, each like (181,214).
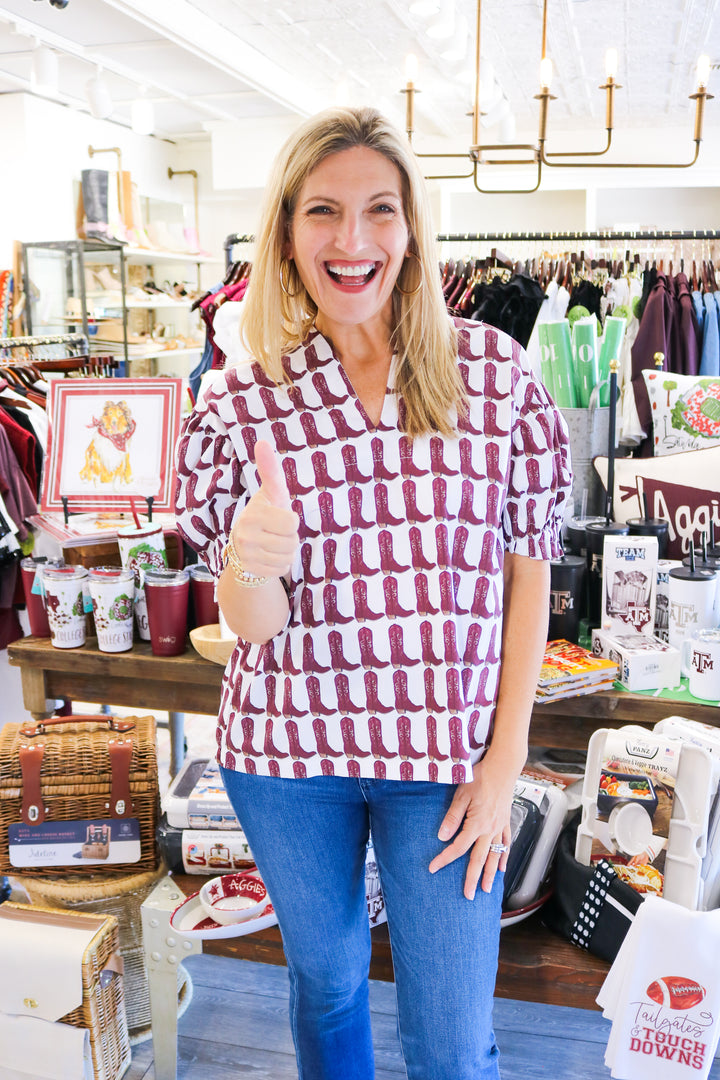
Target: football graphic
(676,992)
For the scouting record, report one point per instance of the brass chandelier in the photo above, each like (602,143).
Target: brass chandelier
(479,154)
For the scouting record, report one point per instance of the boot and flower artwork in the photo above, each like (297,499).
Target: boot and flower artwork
(111,441)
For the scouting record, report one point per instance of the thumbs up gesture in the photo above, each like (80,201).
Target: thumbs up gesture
(265,534)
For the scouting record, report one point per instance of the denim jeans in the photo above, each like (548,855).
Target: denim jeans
(308,838)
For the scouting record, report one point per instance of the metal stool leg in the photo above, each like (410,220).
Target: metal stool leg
(164,949)
(176,724)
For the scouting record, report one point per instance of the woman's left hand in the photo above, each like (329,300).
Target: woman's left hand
(482,807)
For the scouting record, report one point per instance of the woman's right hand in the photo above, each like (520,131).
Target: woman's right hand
(265,534)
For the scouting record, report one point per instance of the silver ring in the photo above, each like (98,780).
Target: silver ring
(499,849)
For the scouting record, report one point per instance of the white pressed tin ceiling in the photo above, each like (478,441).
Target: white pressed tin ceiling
(203,60)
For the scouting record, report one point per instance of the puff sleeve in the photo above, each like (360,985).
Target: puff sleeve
(210,490)
(540,473)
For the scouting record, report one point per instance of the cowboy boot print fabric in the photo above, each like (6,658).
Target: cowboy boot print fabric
(388,666)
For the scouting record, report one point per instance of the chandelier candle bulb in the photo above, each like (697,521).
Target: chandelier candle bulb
(611,64)
(703,72)
(546,73)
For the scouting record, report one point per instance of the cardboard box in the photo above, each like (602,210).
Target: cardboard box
(644,662)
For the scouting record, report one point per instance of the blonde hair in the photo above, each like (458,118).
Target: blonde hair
(423,336)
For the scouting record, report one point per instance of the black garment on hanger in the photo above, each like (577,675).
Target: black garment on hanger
(511,306)
(588,295)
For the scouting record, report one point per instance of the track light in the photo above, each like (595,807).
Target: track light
(98,96)
(44,72)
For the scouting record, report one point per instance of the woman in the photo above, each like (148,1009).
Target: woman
(378,493)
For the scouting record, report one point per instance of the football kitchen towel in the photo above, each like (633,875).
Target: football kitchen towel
(662,994)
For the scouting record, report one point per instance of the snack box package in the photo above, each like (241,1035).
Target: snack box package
(646,800)
(644,661)
(629,584)
(196,798)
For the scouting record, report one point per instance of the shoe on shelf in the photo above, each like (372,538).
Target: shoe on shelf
(107,279)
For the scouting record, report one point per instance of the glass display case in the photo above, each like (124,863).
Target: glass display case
(63,280)
(131,303)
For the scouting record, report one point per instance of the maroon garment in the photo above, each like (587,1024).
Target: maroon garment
(23,446)
(686,344)
(654,335)
(19,500)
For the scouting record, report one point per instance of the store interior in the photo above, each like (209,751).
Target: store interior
(573,144)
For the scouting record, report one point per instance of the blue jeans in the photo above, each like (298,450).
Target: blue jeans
(308,838)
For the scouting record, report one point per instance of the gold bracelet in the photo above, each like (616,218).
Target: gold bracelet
(242,577)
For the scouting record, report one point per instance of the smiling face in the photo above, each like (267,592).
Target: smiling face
(349,237)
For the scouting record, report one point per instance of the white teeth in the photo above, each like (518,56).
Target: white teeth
(358,270)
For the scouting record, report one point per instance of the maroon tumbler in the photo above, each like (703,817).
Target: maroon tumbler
(166,592)
(202,590)
(35,602)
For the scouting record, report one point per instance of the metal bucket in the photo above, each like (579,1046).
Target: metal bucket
(589,432)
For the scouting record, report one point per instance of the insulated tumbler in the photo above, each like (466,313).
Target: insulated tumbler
(567,592)
(35,601)
(595,533)
(166,592)
(202,591)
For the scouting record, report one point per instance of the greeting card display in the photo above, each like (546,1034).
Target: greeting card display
(110,441)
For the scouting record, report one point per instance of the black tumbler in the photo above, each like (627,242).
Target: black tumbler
(567,597)
(652,527)
(575,534)
(595,534)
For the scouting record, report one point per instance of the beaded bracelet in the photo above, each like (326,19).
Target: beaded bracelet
(242,577)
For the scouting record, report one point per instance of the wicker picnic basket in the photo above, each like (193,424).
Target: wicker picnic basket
(83,770)
(121,897)
(102,1010)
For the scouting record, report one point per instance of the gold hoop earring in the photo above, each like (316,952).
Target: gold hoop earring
(411,292)
(283,286)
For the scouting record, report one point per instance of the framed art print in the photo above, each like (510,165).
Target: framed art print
(111,441)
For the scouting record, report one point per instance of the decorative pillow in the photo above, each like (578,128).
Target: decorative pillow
(684,490)
(685,411)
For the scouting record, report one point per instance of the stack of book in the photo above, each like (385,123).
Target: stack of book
(569,670)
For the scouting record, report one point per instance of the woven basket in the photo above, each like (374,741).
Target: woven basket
(102,1010)
(75,778)
(121,898)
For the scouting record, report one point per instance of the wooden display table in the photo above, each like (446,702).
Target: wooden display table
(188,683)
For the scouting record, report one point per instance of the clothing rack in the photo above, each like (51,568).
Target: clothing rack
(72,341)
(646,235)
(607,236)
(231,241)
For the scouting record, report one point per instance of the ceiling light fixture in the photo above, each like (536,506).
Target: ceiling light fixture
(98,96)
(44,72)
(482,154)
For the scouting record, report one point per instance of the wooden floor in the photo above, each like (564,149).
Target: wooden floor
(237,1025)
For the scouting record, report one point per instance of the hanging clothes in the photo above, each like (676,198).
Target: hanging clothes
(710,360)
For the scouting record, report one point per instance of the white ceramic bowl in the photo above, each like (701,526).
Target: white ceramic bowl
(233,898)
